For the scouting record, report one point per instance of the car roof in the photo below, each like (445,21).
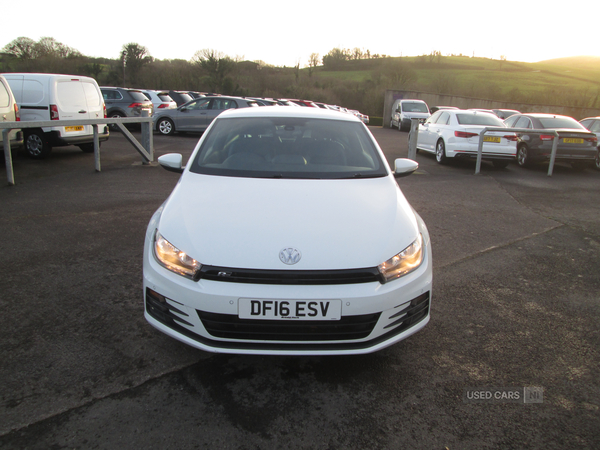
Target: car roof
(275,111)
(470,112)
(542,115)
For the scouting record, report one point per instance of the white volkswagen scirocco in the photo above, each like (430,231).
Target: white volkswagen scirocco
(287,233)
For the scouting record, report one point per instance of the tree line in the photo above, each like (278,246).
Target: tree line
(207,71)
(212,71)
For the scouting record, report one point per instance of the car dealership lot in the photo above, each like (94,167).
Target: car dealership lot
(515,304)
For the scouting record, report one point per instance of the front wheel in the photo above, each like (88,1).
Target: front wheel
(523,158)
(36,145)
(165,126)
(440,152)
(598,160)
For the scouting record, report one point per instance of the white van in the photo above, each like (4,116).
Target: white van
(9,111)
(43,96)
(406,109)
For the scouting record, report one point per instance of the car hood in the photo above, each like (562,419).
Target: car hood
(246,222)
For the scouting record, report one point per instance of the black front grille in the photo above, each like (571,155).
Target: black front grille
(231,327)
(291,277)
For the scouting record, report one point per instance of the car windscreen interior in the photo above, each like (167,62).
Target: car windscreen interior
(479,119)
(287,147)
(138,96)
(414,107)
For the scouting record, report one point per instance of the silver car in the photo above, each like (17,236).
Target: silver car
(196,115)
(160,99)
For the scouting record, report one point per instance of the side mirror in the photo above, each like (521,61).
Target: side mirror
(173,162)
(403,167)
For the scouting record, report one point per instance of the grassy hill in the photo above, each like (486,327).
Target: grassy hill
(566,81)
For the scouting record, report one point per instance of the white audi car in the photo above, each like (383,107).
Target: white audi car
(455,134)
(287,233)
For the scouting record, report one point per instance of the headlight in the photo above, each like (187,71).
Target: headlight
(404,262)
(174,259)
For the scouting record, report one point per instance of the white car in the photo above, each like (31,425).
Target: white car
(455,134)
(287,233)
(403,111)
(160,99)
(593,124)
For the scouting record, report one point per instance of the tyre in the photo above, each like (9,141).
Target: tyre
(392,124)
(165,126)
(579,165)
(440,152)
(523,157)
(598,160)
(87,148)
(36,145)
(115,115)
(500,163)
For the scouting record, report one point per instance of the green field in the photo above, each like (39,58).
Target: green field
(568,81)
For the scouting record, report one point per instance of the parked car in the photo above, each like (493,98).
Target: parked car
(505,113)
(195,94)
(303,103)
(593,124)
(437,108)
(227,269)
(363,117)
(576,144)
(455,134)
(9,111)
(124,102)
(44,96)
(405,110)
(286,102)
(159,99)
(265,101)
(197,114)
(180,97)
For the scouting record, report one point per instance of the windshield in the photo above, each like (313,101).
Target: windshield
(414,107)
(560,122)
(285,147)
(479,119)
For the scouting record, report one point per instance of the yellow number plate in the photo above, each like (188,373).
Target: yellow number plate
(572,141)
(491,139)
(76,128)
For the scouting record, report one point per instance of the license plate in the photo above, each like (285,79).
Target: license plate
(75,128)
(572,141)
(289,309)
(491,139)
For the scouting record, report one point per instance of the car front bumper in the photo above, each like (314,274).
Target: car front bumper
(205,313)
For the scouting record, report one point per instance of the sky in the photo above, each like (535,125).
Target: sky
(287,33)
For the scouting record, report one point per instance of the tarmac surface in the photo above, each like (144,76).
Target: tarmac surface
(515,305)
